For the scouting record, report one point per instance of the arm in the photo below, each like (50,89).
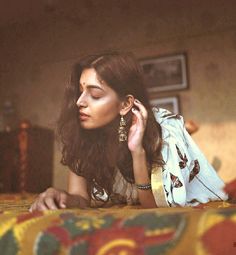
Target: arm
(141,176)
(135,139)
(77,187)
(52,199)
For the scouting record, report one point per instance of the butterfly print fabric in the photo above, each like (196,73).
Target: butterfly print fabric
(187,176)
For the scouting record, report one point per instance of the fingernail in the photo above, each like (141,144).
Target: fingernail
(136,100)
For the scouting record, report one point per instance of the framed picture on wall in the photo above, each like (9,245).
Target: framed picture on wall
(168,103)
(165,73)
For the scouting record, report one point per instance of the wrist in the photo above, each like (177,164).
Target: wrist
(146,186)
(138,152)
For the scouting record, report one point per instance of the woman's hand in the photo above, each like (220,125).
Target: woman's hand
(53,199)
(136,132)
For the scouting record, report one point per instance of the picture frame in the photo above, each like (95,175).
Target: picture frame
(169,103)
(167,73)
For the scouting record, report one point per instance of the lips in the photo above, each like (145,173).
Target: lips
(83,116)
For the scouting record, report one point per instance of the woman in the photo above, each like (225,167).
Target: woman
(119,150)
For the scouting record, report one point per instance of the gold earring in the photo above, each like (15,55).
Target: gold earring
(121,131)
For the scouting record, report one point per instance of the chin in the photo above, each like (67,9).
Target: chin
(88,126)
(96,127)
(107,124)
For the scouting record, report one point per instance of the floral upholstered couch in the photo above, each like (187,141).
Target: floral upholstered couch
(119,230)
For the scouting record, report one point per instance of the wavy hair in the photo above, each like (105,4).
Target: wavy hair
(94,154)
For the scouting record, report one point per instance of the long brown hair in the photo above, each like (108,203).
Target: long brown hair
(94,154)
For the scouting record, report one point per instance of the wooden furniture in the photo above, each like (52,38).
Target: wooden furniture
(26,159)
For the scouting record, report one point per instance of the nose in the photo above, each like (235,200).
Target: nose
(81,102)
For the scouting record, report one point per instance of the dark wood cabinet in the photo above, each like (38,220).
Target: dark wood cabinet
(26,160)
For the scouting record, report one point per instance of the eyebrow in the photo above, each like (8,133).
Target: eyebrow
(91,86)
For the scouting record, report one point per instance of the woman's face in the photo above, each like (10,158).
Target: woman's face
(98,103)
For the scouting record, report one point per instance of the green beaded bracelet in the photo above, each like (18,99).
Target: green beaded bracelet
(144,186)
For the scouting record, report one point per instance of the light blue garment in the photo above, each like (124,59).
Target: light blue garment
(188,178)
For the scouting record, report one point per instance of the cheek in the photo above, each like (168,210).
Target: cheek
(106,110)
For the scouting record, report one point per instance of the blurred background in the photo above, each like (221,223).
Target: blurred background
(40,41)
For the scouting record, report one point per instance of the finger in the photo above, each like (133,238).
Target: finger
(139,116)
(141,108)
(50,192)
(41,195)
(63,200)
(41,207)
(58,198)
(31,209)
(50,203)
(38,206)
(134,119)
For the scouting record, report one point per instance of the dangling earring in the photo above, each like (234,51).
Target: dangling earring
(121,131)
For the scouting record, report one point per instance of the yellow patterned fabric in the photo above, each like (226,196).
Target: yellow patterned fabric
(123,230)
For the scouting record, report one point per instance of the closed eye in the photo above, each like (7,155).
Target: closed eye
(95,97)
(95,92)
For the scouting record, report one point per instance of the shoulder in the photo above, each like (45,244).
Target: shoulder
(171,124)
(174,136)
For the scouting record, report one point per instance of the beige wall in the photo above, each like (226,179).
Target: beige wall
(36,57)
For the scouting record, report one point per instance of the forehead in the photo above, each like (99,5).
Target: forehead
(89,76)
(89,80)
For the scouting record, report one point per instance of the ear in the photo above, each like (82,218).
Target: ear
(127,104)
